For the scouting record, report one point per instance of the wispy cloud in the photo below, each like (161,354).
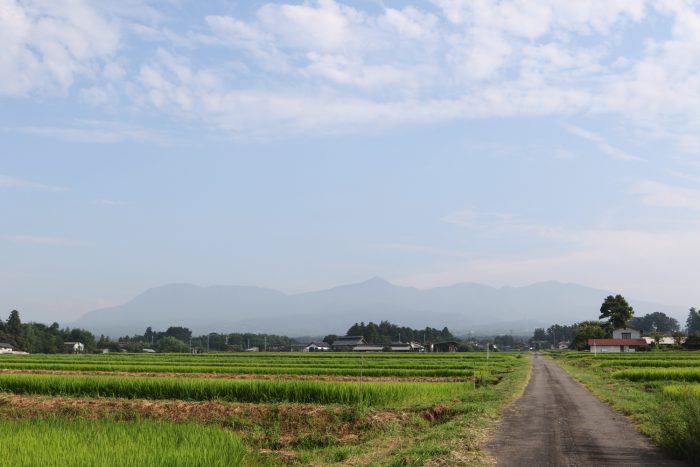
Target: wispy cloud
(7,181)
(107,202)
(658,194)
(38,240)
(96,132)
(601,143)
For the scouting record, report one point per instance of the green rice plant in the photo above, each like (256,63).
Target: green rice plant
(76,442)
(660,374)
(247,390)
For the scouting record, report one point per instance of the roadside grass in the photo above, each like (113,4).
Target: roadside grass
(668,413)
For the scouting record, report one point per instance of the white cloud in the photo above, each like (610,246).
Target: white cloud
(7,181)
(658,194)
(303,62)
(47,44)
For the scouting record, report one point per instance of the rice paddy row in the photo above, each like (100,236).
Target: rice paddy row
(249,390)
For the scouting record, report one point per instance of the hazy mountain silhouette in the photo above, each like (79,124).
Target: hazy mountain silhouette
(462,307)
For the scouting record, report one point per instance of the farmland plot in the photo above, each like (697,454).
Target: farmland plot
(269,409)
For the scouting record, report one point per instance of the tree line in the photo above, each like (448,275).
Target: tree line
(385,333)
(40,338)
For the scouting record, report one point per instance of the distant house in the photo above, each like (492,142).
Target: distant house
(447,346)
(407,347)
(148,350)
(623,340)
(368,348)
(253,349)
(664,341)
(74,347)
(6,348)
(317,347)
(348,342)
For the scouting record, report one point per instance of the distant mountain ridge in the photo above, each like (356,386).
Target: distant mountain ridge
(464,307)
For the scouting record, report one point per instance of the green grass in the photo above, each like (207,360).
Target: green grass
(76,442)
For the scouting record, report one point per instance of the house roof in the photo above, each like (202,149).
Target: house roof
(616,342)
(349,340)
(318,344)
(368,348)
(5,345)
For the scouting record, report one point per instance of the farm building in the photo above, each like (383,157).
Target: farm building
(348,342)
(317,347)
(623,340)
(407,347)
(6,348)
(447,346)
(665,341)
(73,347)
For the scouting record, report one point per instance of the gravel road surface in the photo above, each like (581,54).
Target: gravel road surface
(558,422)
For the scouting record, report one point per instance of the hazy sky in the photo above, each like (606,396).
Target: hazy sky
(299,145)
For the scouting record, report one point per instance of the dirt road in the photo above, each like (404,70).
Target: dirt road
(558,422)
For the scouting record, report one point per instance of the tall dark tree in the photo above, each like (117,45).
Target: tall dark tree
(14,325)
(617,311)
(693,321)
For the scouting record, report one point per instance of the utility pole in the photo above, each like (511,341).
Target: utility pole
(265,342)
(208,335)
(190,344)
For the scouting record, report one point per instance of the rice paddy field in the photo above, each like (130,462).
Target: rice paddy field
(660,391)
(253,409)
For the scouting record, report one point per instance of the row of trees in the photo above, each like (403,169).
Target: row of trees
(40,338)
(385,333)
(180,339)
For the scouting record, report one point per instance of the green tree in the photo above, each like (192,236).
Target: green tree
(13,326)
(588,330)
(171,344)
(656,321)
(616,310)
(330,338)
(178,332)
(693,322)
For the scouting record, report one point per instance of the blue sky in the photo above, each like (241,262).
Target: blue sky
(301,145)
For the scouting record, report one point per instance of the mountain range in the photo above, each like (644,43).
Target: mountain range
(464,308)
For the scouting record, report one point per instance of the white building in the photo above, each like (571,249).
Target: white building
(623,340)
